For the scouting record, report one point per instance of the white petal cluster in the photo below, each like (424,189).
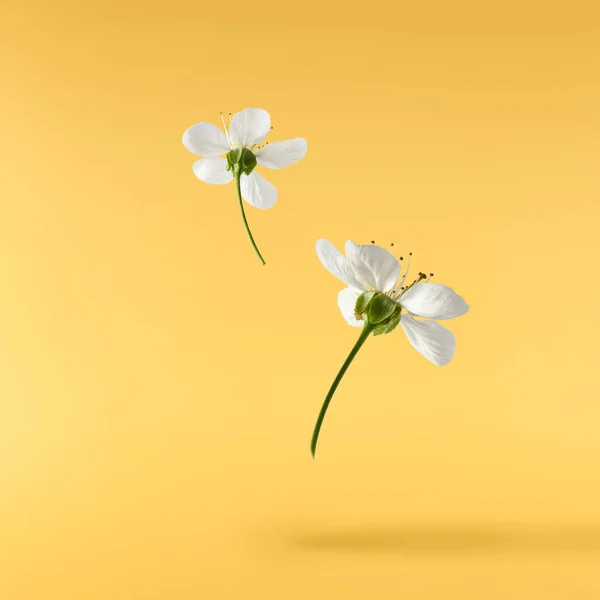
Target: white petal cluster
(247,129)
(371,267)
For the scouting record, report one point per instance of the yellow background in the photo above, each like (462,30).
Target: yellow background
(158,387)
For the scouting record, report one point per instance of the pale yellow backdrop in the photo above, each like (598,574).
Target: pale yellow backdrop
(158,387)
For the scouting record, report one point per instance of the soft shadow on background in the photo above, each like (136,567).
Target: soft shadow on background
(446,539)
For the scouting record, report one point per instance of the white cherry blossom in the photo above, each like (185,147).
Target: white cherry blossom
(377,299)
(247,129)
(370,267)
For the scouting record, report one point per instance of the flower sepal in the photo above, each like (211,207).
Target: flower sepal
(378,310)
(390,323)
(241,161)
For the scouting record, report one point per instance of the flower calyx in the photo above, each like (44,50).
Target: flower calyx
(378,310)
(241,161)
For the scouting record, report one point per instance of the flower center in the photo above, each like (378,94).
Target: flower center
(232,144)
(399,288)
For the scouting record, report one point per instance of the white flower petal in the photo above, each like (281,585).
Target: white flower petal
(250,126)
(429,338)
(347,301)
(335,262)
(257,191)
(212,170)
(433,301)
(377,267)
(205,139)
(282,154)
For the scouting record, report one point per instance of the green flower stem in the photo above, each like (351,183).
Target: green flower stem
(367,329)
(239,193)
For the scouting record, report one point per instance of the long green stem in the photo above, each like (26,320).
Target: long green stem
(239,193)
(367,329)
